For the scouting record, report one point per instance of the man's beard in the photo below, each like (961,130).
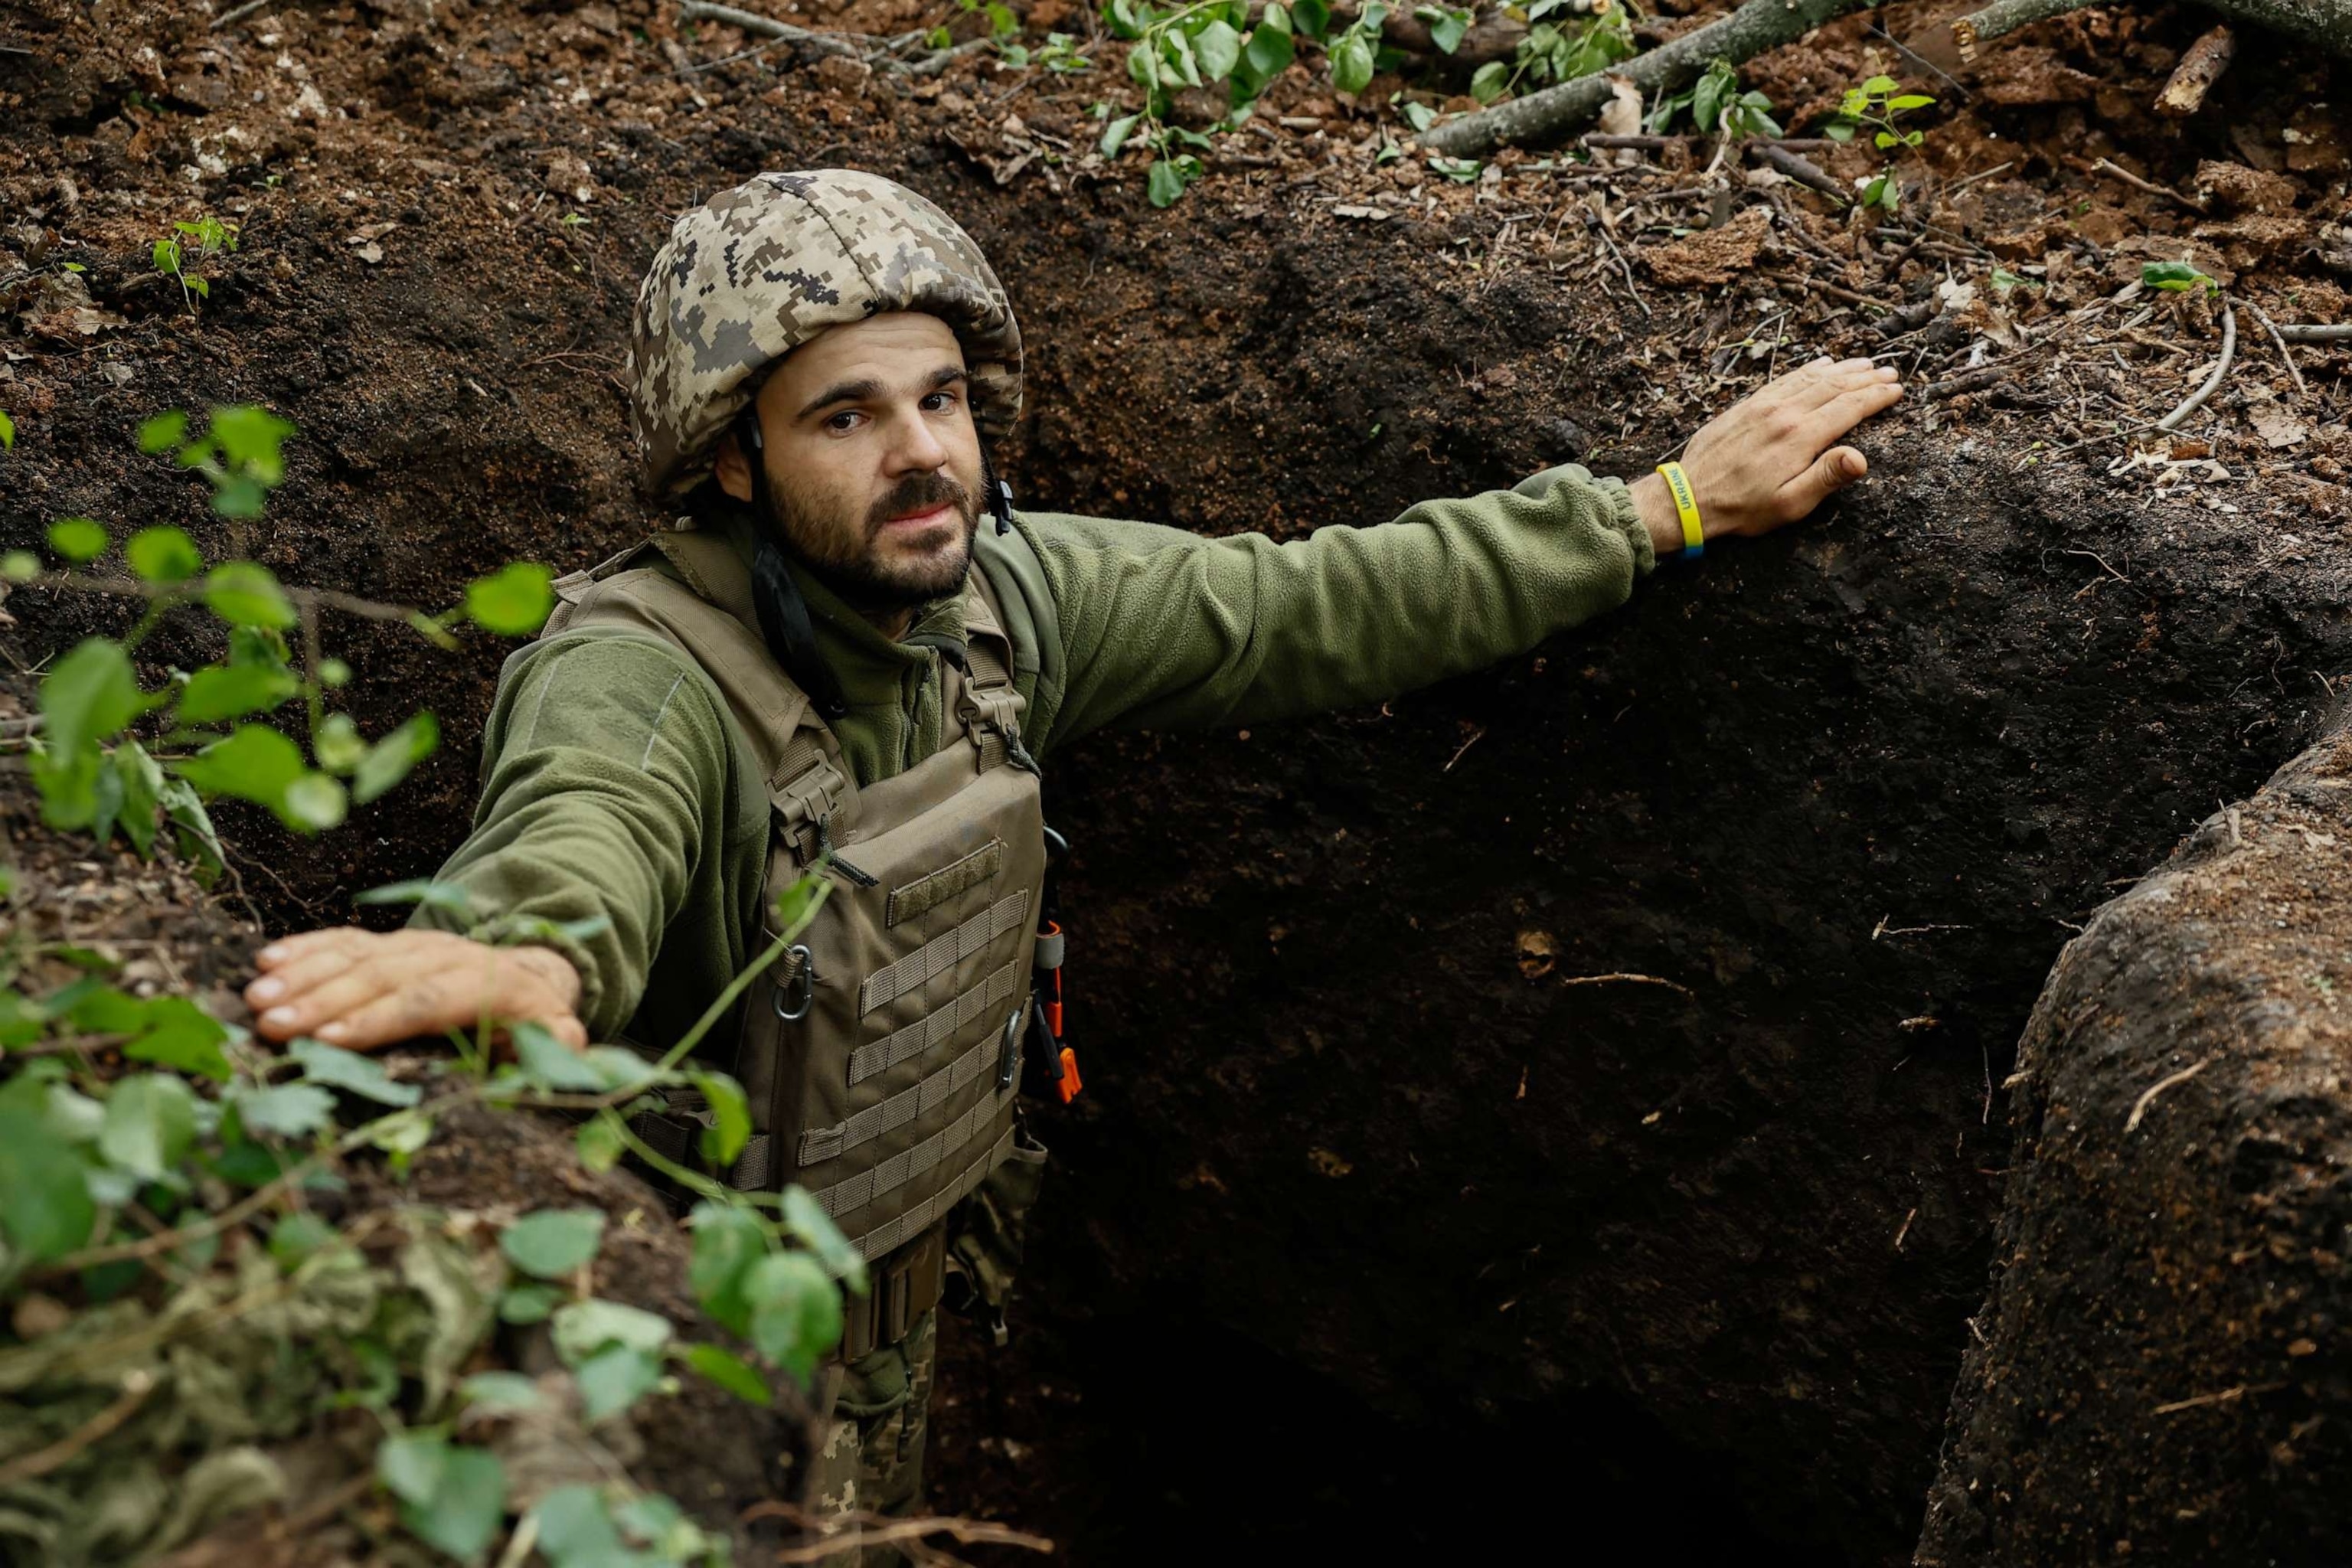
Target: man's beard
(849,566)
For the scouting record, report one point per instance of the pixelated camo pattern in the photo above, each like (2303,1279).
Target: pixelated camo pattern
(760,270)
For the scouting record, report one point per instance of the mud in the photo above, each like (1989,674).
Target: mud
(1375,1225)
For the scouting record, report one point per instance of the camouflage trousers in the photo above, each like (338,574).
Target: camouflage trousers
(870,1458)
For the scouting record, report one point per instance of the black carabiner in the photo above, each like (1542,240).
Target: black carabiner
(805,982)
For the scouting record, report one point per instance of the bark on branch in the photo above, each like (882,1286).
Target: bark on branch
(1555,111)
(2327,23)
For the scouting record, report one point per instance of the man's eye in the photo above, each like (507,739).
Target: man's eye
(845,421)
(940,402)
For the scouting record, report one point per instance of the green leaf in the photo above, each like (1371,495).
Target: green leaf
(1910,101)
(334,674)
(20,565)
(1878,86)
(411,1465)
(2172,276)
(254,763)
(527,1304)
(1270,51)
(388,761)
(1166,184)
(1838,133)
(549,1064)
(243,593)
(727,1241)
(731,1373)
(252,439)
(499,1394)
(731,1114)
(336,743)
(286,1110)
(163,432)
(314,803)
(21,1019)
(1421,117)
(583,1328)
(1218,47)
(77,539)
(240,496)
(219,691)
(339,1068)
(142,792)
(1115,134)
(1352,62)
(296,1236)
(553,1243)
(600,1145)
(576,1530)
(163,555)
(795,1310)
(1311,18)
(151,1119)
(804,1220)
(44,1206)
(90,696)
(1486,83)
(1447,27)
(613,1379)
(181,1036)
(7,434)
(467,1508)
(513,601)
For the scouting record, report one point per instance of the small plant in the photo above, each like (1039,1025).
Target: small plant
(1718,107)
(1877,105)
(176,254)
(89,770)
(1557,51)
(1060,55)
(7,432)
(1213,42)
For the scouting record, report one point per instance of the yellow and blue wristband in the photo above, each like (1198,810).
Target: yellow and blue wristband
(1678,486)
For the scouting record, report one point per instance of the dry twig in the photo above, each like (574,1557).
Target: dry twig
(2284,352)
(2196,400)
(2139,1106)
(2305,334)
(2199,70)
(2117,170)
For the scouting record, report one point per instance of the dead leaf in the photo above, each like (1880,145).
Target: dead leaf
(1370,215)
(2280,430)
(1712,255)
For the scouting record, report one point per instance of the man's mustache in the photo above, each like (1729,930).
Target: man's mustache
(916,493)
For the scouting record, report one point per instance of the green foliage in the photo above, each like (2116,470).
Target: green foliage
(1559,51)
(77,539)
(1878,105)
(7,432)
(1211,43)
(514,601)
(553,1243)
(177,253)
(451,1498)
(2176,278)
(336,1068)
(1718,107)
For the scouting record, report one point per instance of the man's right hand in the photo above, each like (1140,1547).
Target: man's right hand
(361,989)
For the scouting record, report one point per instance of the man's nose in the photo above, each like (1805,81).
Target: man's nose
(917,448)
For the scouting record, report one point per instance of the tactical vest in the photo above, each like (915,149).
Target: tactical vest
(882,1053)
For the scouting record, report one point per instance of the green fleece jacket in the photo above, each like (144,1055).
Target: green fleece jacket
(615,783)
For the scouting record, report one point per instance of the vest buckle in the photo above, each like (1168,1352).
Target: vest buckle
(803,980)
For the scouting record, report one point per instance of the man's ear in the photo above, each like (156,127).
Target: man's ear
(732,471)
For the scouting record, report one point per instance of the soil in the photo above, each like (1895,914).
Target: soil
(1372,1196)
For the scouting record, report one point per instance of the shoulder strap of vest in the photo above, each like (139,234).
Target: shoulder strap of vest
(707,610)
(988,704)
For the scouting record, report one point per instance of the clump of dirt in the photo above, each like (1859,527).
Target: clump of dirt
(1844,792)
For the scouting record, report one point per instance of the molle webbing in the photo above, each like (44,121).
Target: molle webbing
(943,952)
(824,1143)
(929,1031)
(916,1220)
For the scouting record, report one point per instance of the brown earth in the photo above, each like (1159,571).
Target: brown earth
(1366,1200)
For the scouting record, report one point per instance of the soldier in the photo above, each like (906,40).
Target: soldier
(804,671)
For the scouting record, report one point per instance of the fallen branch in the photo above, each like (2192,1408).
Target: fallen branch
(230,18)
(862,1528)
(1553,113)
(2327,23)
(2342,334)
(1967,381)
(870,47)
(1803,169)
(2196,400)
(1624,980)
(2199,70)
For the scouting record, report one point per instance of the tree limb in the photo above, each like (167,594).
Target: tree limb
(1554,112)
(2327,23)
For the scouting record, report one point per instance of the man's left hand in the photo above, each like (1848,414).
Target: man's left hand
(1773,457)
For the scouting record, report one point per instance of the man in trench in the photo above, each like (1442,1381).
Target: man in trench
(847,654)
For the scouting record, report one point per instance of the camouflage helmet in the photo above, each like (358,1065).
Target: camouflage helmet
(755,272)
